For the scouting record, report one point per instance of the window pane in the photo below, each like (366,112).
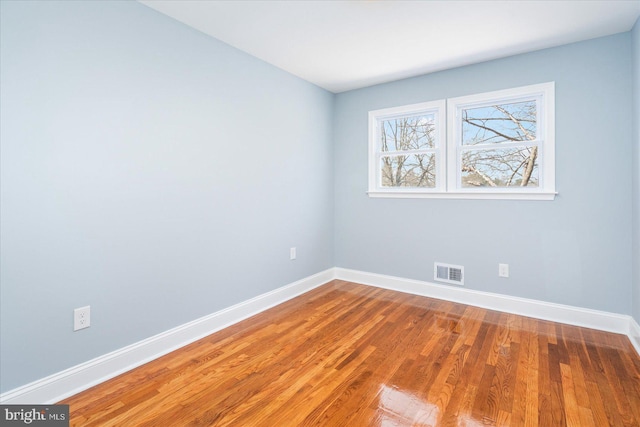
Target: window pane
(413,170)
(506,167)
(499,123)
(408,133)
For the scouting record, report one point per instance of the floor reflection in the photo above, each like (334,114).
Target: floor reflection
(401,408)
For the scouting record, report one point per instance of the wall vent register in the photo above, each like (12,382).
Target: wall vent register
(448,273)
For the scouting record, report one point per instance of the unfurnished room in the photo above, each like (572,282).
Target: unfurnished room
(328,213)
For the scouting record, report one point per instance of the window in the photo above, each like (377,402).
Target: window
(497,145)
(408,153)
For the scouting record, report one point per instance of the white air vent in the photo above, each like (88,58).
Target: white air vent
(448,273)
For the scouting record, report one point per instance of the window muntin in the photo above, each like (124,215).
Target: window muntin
(496,145)
(406,153)
(412,142)
(502,142)
(499,146)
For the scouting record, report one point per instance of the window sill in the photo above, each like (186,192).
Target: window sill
(463,195)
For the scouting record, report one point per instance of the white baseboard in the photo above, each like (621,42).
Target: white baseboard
(80,377)
(634,334)
(577,316)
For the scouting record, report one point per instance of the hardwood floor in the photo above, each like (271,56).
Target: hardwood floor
(352,355)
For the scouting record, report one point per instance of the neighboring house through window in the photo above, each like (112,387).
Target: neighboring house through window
(497,145)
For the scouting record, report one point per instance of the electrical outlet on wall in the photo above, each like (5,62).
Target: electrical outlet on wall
(503,270)
(81,318)
(292,253)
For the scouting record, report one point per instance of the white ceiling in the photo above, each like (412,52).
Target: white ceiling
(344,45)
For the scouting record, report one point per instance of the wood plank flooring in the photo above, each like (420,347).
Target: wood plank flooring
(352,355)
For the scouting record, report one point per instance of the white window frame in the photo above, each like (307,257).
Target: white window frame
(449,144)
(376,117)
(543,94)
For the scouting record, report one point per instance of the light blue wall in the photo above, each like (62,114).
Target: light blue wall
(160,175)
(574,250)
(635,41)
(150,171)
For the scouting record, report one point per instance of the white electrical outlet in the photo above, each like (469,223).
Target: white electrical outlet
(292,253)
(503,270)
(81,318)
